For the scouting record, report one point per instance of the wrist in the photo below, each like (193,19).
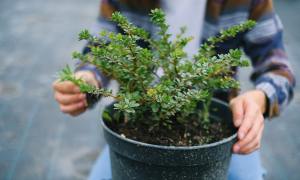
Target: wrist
(261,99)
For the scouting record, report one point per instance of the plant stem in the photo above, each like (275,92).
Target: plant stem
(205,111)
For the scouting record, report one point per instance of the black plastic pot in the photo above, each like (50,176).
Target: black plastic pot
(137,160)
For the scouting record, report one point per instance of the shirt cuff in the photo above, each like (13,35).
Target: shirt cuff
(272,105)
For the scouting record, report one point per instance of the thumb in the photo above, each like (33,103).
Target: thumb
(237,109)
(88,77)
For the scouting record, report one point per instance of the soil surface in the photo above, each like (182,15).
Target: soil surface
(188,134)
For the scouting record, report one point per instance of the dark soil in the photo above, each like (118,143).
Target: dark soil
(189,134)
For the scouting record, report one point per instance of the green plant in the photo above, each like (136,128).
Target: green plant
(174,96)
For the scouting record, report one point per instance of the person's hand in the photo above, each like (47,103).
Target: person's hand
(248,110)
(68,95)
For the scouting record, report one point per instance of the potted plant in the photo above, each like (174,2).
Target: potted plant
(168,126)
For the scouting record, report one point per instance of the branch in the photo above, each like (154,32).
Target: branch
(67,75)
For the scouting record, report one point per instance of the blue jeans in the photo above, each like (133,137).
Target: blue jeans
(242,167)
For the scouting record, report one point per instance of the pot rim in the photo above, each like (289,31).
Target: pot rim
(139,143)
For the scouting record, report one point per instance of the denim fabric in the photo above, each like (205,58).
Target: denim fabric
(242,167)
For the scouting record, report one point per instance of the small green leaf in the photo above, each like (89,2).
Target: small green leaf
(106,116)
(84,35)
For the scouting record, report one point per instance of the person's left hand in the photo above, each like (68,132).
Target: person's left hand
(248,109)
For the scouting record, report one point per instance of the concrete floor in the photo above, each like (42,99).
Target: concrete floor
(39,142)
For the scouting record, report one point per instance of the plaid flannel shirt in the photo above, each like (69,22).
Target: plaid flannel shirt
(263,44)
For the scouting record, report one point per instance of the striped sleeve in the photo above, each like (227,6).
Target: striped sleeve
(103,23)
(264,45)
(135,11)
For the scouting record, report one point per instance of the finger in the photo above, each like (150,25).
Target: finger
(72,108)
(251,112)
(67,99)
(66,87)
(236,106)
(253,132)
(76,113)
(251,136)
(89,77)
(254,145)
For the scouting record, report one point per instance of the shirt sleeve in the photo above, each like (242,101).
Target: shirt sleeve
(103,23)
(264,45)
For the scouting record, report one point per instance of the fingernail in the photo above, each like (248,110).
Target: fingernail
(82,96)
(81,104)
(236,148)
(237,123)
(241,135)
(85,103)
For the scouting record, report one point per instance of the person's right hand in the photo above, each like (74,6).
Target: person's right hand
(68,95)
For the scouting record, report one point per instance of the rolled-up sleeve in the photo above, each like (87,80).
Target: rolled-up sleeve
(272,72)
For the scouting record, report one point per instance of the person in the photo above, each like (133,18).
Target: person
(272,75)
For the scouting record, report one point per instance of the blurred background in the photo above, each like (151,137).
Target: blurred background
(37,141)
